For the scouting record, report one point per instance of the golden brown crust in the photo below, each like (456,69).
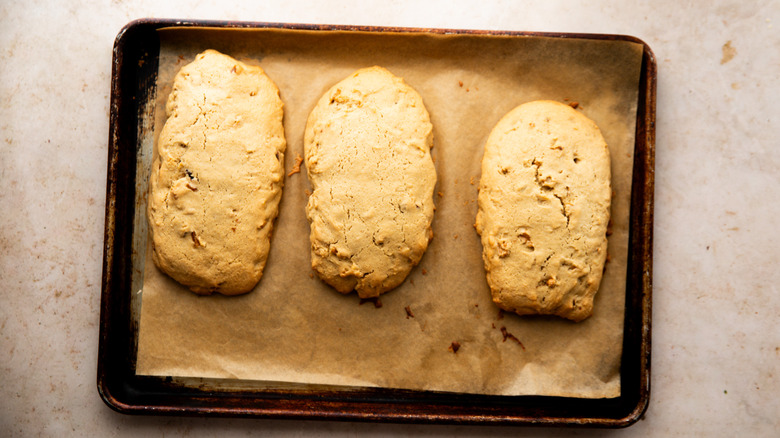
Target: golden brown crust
(216,181)
(544,201)
(367,151)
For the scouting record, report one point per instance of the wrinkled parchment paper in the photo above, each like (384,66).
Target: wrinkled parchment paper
(295,328)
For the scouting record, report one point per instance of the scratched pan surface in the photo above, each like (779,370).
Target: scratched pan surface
(133,82)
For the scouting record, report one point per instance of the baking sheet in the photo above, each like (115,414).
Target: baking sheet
(294,328)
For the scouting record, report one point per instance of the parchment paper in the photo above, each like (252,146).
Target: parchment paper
(294,328)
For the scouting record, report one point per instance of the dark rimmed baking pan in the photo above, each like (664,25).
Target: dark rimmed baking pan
(134,75)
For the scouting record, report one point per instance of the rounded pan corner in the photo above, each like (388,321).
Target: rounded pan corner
(615,37)
(110,399)
(636,414)
(647,49)
(131,28)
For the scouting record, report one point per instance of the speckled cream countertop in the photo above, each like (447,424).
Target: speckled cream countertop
(716,303)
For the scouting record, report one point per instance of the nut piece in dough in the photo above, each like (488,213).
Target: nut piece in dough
(544,201)
(367,150)
(217,178)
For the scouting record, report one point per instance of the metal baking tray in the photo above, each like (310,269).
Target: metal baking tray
(134,72)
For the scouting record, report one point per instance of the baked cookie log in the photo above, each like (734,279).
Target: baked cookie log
(544,200)
(367,150)
(217,179)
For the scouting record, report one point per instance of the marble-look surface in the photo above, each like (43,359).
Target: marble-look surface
(716,303)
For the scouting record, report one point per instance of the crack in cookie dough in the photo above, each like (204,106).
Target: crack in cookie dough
(367,153)
(548,185)
(216,180)
(544,201)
